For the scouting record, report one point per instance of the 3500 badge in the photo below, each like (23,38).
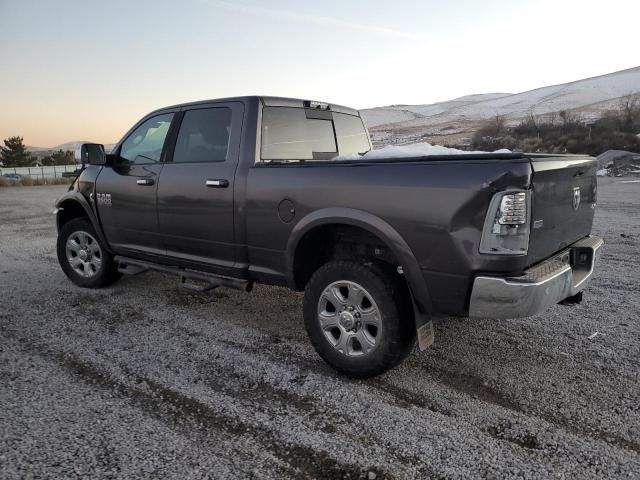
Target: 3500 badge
(103,199)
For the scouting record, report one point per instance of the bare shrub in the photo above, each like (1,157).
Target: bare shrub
(566,132)
(530,144)
(628,112)
(490,134)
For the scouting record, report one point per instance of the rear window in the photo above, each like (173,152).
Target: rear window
(352,137)
(287,134)
(294,134)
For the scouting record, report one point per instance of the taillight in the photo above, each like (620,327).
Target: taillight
(506,227)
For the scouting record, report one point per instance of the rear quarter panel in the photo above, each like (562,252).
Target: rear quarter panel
(437,207)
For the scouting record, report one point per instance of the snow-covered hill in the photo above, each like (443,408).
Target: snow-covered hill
(590,97)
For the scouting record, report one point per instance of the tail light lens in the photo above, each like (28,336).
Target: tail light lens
(506,227)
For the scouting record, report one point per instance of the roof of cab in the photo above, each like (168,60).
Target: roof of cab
(267,101)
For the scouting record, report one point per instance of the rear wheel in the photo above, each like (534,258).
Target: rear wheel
(357,318)
(83,258)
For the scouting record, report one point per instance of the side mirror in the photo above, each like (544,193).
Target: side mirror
(92,154)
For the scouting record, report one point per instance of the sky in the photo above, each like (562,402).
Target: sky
(88,70)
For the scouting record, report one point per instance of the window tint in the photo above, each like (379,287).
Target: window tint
(352,137)
(203,136)
(287,134)
(144,145)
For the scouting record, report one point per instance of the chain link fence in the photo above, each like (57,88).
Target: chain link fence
(55,171)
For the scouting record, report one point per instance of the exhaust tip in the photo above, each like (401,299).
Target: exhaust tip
(573,300)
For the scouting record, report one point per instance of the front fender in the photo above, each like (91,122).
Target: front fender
(71,200)
(376,226)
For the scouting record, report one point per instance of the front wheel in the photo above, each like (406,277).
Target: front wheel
(357,318)
(83,258)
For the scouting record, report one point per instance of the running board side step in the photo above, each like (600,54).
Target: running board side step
(130,269)
(189,279)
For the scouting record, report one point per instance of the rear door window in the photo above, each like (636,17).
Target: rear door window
(203,136)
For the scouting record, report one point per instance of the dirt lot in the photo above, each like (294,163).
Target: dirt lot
(145,380)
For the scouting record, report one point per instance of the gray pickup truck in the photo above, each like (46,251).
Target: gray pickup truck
(246,190)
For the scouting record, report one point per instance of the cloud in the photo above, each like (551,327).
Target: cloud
(320,20)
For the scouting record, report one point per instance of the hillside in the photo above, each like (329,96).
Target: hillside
(454,119)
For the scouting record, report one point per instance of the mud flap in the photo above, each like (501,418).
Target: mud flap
(424,327)
(426,335)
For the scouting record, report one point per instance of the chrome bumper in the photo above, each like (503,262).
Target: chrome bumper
(545,284)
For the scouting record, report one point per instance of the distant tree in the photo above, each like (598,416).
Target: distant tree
(14,153)
(63,157)
(530,125)
(495,126)
(629,112)
(47,161)
(569,120)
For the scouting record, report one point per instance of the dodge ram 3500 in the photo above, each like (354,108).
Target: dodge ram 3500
(246,190)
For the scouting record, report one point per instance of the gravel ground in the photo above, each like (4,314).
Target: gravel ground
(146,380)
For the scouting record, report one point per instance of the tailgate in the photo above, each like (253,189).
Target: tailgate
(563,203)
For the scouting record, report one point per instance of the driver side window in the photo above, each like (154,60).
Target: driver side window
(145,144)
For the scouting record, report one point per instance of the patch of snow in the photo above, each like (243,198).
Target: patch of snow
(602,173)
(411,150)
(629,181)
(477,97)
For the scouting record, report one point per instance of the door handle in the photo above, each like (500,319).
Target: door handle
(218,183)
(145,181)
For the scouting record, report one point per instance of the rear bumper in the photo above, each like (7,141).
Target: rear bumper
(541,286)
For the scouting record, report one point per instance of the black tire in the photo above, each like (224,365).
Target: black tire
(103,275)
(391,298)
